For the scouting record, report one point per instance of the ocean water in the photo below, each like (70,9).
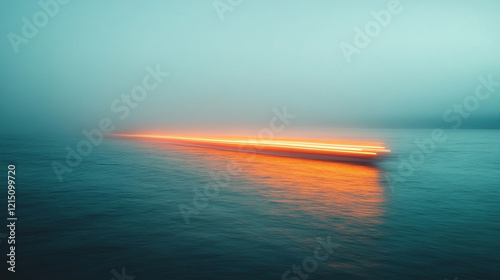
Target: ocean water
(117,214)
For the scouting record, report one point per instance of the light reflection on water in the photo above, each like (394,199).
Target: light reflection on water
(334,188)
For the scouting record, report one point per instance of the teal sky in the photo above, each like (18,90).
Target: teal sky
(232,72)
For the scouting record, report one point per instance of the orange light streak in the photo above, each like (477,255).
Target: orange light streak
(278,146)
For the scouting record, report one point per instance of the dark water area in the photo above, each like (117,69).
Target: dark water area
(122,208)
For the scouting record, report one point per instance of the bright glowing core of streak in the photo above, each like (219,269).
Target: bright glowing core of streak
(349,148)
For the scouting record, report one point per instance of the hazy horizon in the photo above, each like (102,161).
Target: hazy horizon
(231,70)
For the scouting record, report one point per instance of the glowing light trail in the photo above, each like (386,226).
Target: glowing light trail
(350,151)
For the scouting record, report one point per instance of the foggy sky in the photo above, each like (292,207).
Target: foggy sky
(231,72)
